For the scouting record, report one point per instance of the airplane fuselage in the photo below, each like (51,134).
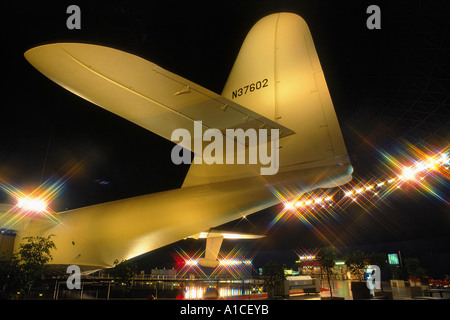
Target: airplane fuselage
(95,236)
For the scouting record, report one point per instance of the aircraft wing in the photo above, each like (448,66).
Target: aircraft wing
(141,91)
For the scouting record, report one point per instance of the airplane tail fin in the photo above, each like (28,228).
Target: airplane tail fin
(278,75)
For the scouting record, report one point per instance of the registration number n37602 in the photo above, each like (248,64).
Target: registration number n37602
(250,88)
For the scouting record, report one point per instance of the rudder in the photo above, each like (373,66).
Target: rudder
(278,74)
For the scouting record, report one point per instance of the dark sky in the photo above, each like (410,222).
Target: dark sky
(389,87)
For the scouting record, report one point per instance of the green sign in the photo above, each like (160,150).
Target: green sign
(393,258)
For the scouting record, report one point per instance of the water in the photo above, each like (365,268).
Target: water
(157,289)
(198,289)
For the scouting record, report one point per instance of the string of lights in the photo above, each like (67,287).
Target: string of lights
(415,175)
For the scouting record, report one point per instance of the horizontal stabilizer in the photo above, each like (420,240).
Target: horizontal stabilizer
(142,92)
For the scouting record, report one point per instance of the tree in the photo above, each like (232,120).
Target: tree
(273,276)
(413,268)
(356,261)
(326,257)
(27,266)
(124,272)
(378,259)
(11,280)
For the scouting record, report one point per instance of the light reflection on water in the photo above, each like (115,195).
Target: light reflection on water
(194,292)
(213,292)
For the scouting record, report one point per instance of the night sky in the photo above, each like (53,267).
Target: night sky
(390,87)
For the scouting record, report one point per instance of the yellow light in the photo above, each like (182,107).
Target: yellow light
(432,163)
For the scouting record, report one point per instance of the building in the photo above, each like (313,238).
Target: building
(7,238)
(308,265)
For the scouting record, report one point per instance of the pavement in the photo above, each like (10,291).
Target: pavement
(342,288)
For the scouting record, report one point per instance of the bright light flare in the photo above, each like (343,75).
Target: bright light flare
(408,173)
(191,262)
(30,204)
(289,205)
(188,263)
(38,202)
